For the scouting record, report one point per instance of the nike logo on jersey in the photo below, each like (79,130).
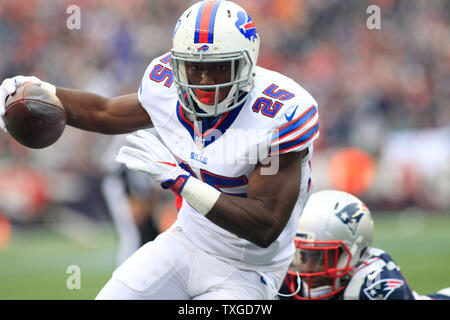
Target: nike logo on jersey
(289,118)
(373,275)
(168,163)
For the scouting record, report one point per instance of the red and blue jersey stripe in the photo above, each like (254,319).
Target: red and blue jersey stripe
(304,138)
(296,125)
(296,132)
(204,26)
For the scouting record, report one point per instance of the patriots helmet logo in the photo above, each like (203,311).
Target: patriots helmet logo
(350,216)
(246,26)
(381,290)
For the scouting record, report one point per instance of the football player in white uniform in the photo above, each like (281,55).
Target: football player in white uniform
(334,258)
(235,143)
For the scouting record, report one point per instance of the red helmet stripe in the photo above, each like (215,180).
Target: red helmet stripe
(206,17)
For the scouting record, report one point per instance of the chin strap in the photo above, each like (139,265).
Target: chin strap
(267,281)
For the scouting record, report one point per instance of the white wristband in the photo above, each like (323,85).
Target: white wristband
(49,87)
(199,195)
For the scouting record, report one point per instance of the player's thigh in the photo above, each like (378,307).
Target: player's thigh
(157,270)
(237,288)
(213,279)
(117,290)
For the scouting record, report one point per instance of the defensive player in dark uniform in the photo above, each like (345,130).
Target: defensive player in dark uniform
(335,259)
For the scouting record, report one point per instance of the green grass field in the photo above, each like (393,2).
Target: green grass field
(421,247)
(34,264)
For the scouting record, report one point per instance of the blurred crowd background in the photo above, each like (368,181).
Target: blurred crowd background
(383,94)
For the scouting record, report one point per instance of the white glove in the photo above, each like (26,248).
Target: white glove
(10,85)
(152,157)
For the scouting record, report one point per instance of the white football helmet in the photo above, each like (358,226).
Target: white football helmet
(333,233)
(215,31)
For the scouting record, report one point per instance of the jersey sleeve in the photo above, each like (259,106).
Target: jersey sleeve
(296,129)
(156,86)
(144,86)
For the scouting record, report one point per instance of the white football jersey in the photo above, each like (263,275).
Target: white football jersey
(278,117)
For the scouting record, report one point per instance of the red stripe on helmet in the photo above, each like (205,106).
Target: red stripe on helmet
(204,23)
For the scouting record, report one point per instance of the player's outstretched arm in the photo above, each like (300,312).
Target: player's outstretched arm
(262,216)
(93,112)
(86,110)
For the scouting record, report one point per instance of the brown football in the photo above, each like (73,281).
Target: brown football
(34,116)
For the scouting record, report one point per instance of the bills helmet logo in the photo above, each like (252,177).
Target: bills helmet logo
(246,26)
(350,216)
(203,48)
(381,290)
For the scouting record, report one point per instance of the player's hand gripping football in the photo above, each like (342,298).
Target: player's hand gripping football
(9,86)
(150,156)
